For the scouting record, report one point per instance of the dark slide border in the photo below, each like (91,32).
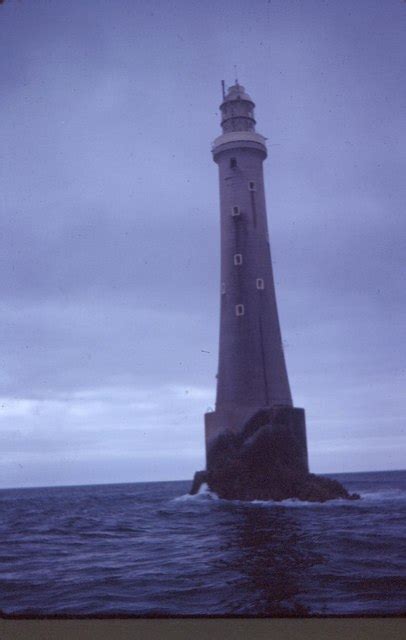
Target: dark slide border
(209,629)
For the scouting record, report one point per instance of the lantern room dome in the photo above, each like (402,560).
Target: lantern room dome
(236,92)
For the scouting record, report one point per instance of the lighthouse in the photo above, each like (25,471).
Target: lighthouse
(252,373)
(256,446)
(252,370)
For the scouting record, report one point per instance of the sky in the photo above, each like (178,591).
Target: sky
(109,259)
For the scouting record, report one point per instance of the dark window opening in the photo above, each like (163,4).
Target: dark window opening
(233,163)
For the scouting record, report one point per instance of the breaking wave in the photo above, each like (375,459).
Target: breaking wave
(204,493)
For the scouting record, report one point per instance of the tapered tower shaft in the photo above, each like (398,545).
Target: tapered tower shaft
(252,371)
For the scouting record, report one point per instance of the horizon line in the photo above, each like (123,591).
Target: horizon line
(108,484)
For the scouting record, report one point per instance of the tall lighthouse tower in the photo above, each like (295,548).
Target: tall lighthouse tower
(252,380)
(252,371)
(255,439)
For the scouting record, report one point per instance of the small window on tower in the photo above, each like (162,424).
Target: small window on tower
(260,283)
(251,186)
(239,309)
(223,288)
(233,163)
(236,211)
(237,259)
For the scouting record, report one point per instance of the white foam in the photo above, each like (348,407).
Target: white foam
(204,493)
(295,503)
(384,494)
(365,496)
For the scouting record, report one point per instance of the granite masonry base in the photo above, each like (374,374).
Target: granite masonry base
(264,462)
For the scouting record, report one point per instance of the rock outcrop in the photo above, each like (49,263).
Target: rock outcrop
(264,462)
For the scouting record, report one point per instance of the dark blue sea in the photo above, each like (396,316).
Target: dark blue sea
(152,550)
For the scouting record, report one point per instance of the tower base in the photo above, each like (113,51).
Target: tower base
(266,459)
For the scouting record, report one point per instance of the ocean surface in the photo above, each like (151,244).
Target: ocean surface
(152,550)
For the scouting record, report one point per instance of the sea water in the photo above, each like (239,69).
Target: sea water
(150,549)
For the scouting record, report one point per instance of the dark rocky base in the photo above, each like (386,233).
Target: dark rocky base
(267,460)
(309,488)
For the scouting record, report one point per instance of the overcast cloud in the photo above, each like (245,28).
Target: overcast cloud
(110,236)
